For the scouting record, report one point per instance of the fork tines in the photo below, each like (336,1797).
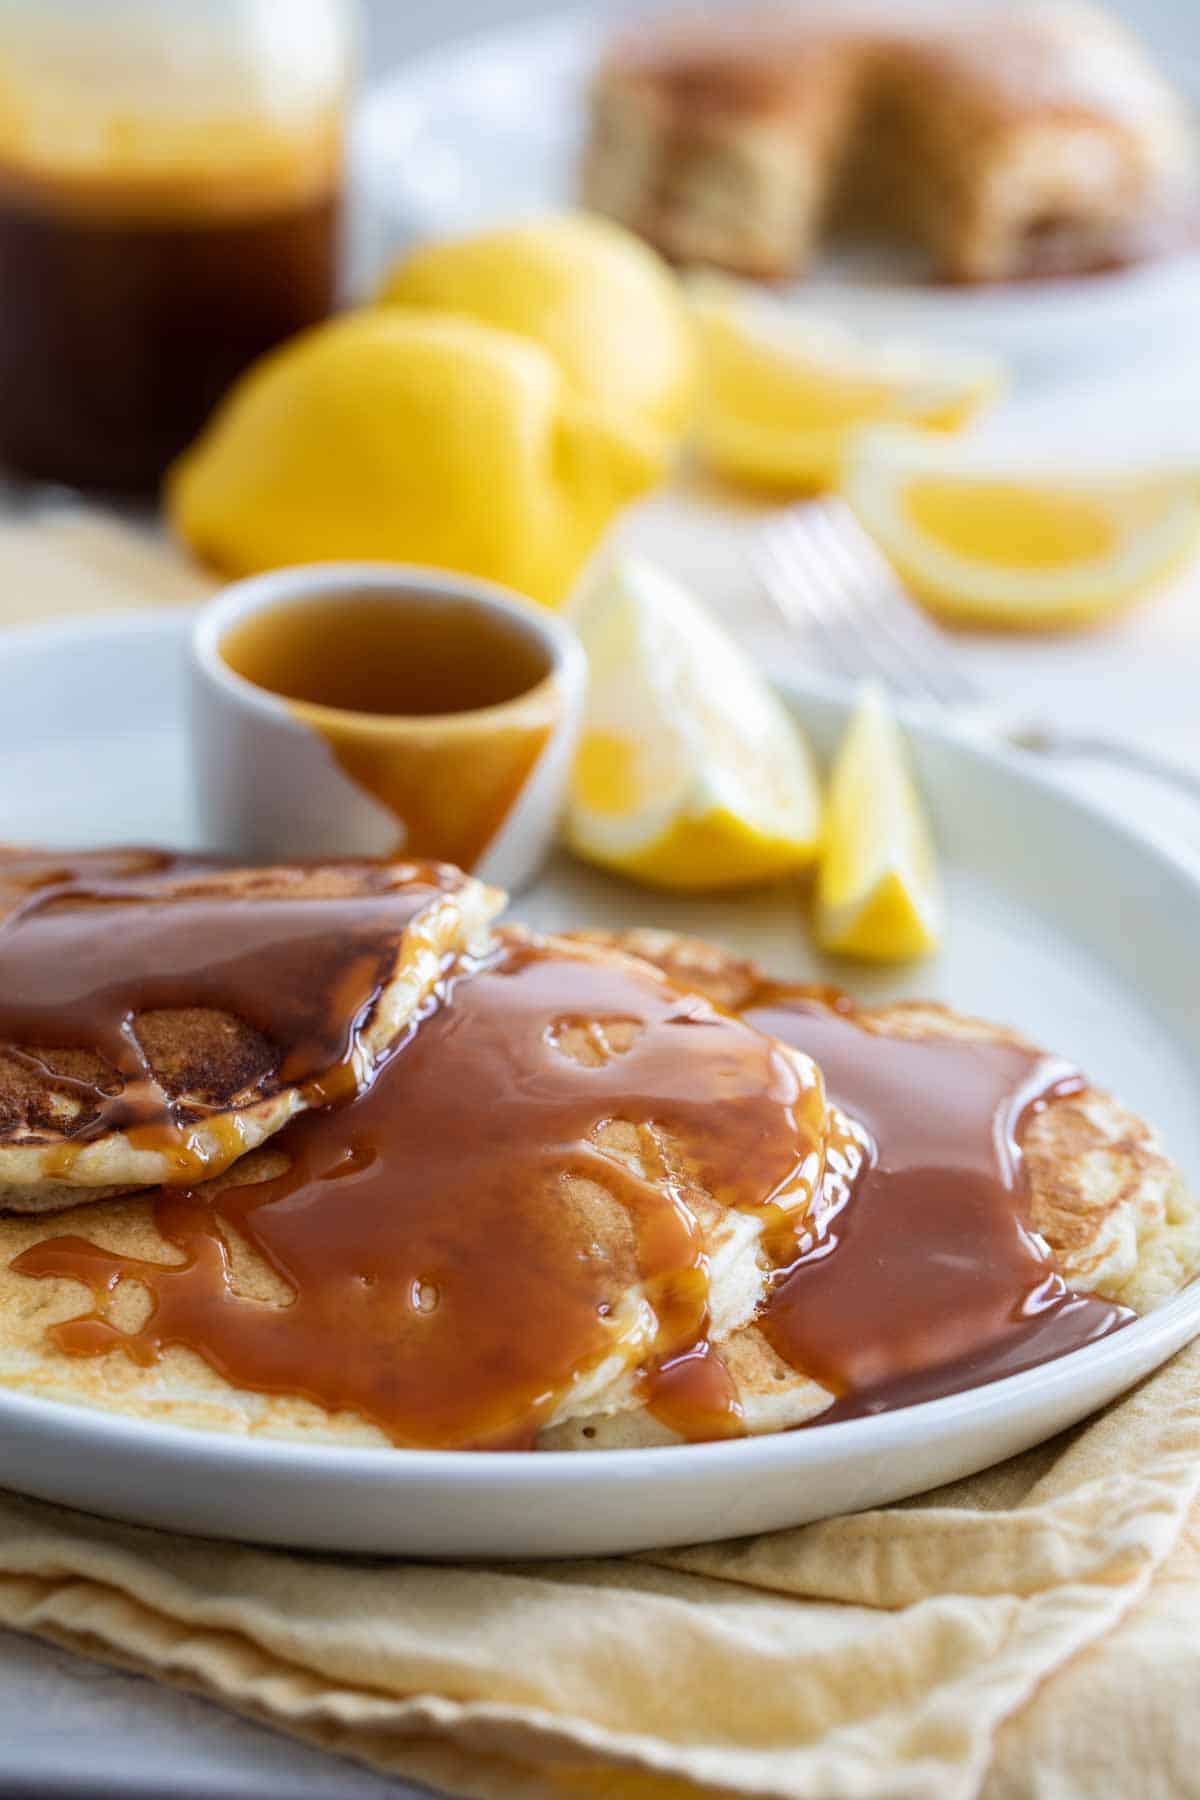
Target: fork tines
(825,579)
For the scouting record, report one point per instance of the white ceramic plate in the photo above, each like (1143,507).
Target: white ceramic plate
(1063,922)
(491,127)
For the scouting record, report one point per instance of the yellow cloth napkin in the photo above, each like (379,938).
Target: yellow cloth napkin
(72,561)
(1033,1630)
(875,1655)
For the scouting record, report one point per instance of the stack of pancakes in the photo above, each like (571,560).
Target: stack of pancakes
(1107,1201)
(1038,140)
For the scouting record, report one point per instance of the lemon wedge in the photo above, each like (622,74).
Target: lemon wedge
(690,773)
(991,546)
(782,393)
(878,891)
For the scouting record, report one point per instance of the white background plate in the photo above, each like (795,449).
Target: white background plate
(1063,923)
(491,127)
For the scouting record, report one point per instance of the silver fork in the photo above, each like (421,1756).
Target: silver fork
(828,585)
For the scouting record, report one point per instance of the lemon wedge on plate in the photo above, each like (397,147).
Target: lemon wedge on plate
(1002,547)
(690,772)
(782,392)
(878,890)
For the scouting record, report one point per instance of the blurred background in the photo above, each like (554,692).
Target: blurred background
(396,28)
(965,324)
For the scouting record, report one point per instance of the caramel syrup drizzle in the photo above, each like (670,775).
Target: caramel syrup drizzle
(429,1230)
(444,1286)
(924,1276)
(439,713)
(81,959)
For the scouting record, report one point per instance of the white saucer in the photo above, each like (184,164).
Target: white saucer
(1063,922)
(491,127)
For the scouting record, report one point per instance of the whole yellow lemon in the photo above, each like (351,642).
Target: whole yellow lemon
(606,307)
(409,436)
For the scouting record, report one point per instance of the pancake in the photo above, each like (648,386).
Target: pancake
(25,868)
(1108,1202)
(159,1078)
(645,1242)
(1103,1194)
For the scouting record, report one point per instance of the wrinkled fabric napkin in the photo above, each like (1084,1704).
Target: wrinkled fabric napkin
(1034,1630)
(72,561)
(874,1655)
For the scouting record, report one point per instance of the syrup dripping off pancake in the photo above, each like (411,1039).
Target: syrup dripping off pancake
(927,1278)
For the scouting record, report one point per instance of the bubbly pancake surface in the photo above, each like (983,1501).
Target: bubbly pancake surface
(595,1239)
(160,1016)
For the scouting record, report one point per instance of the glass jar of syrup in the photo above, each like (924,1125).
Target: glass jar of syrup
(170,173)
